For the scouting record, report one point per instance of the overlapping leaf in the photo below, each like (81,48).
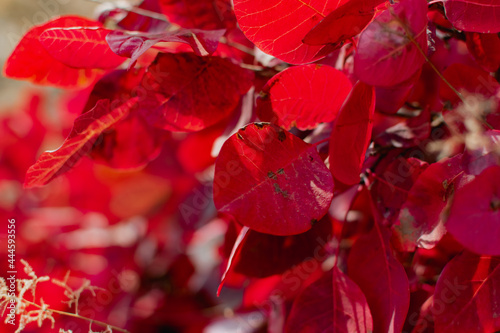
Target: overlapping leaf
(283,177)
(474,15)
(30,61)
(351,134)
(80,47)
(287,100)
(87,129)
(184,92)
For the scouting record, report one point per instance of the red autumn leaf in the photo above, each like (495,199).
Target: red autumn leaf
(466,79)
(30,60)
(136,22)
(473,15)
(190,93)
(80,47)
(474,218)
(393,58)
(420,219)
(382,279)
(278,27)
(343,23)
(200,14)
(234,253)
(351,134)
(133,45)
(485,48)
(274,182)
(87,129)
(333,303)
(303,96)
(466,295)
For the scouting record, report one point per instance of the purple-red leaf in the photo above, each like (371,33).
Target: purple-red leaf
(385,55)
(189,93)
(133,45)
(466,296)
(333,303)
(351,134)
(278,27)
(86,130)
(474,218)
(271,181)
(80,47)
(303,96)
(474,15)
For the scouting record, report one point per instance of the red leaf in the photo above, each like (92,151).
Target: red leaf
(133,45)
(84,134)
(80,47)
(190,93)
(278,27)
(343,23)
(234,253)
(393,58)
(382,279)
(271,181)
(351,134)
(466,295)
(474,218)
(199,14)
(303,96)
(474,15)
(486,49)
(137,22)
(30,60)
(420,221)
(333,303)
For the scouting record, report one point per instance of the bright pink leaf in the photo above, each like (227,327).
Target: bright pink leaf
(278,27)
(385,54)
(474,15)
(199,14)
(474,218)
(133,45)
(382,279)
(343,23)
(274,182)
(333,303)
(30,60)
(351,134)
(80,141)
(190,93)
(466,296)
(303,96)
(80,47)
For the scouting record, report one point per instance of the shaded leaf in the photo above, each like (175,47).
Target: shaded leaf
(199,14)
(333,303)
(467,295)
(189,93)
(283,178)
(303,96)
(87,129)
(80,47)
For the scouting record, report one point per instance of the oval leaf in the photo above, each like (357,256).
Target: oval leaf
(474,15)
(303,96)
(331,304)
(466,295)
(30,61)
(190,93)
(474,218)
(271,181)
(278,27)
(80,47)
(351,134)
